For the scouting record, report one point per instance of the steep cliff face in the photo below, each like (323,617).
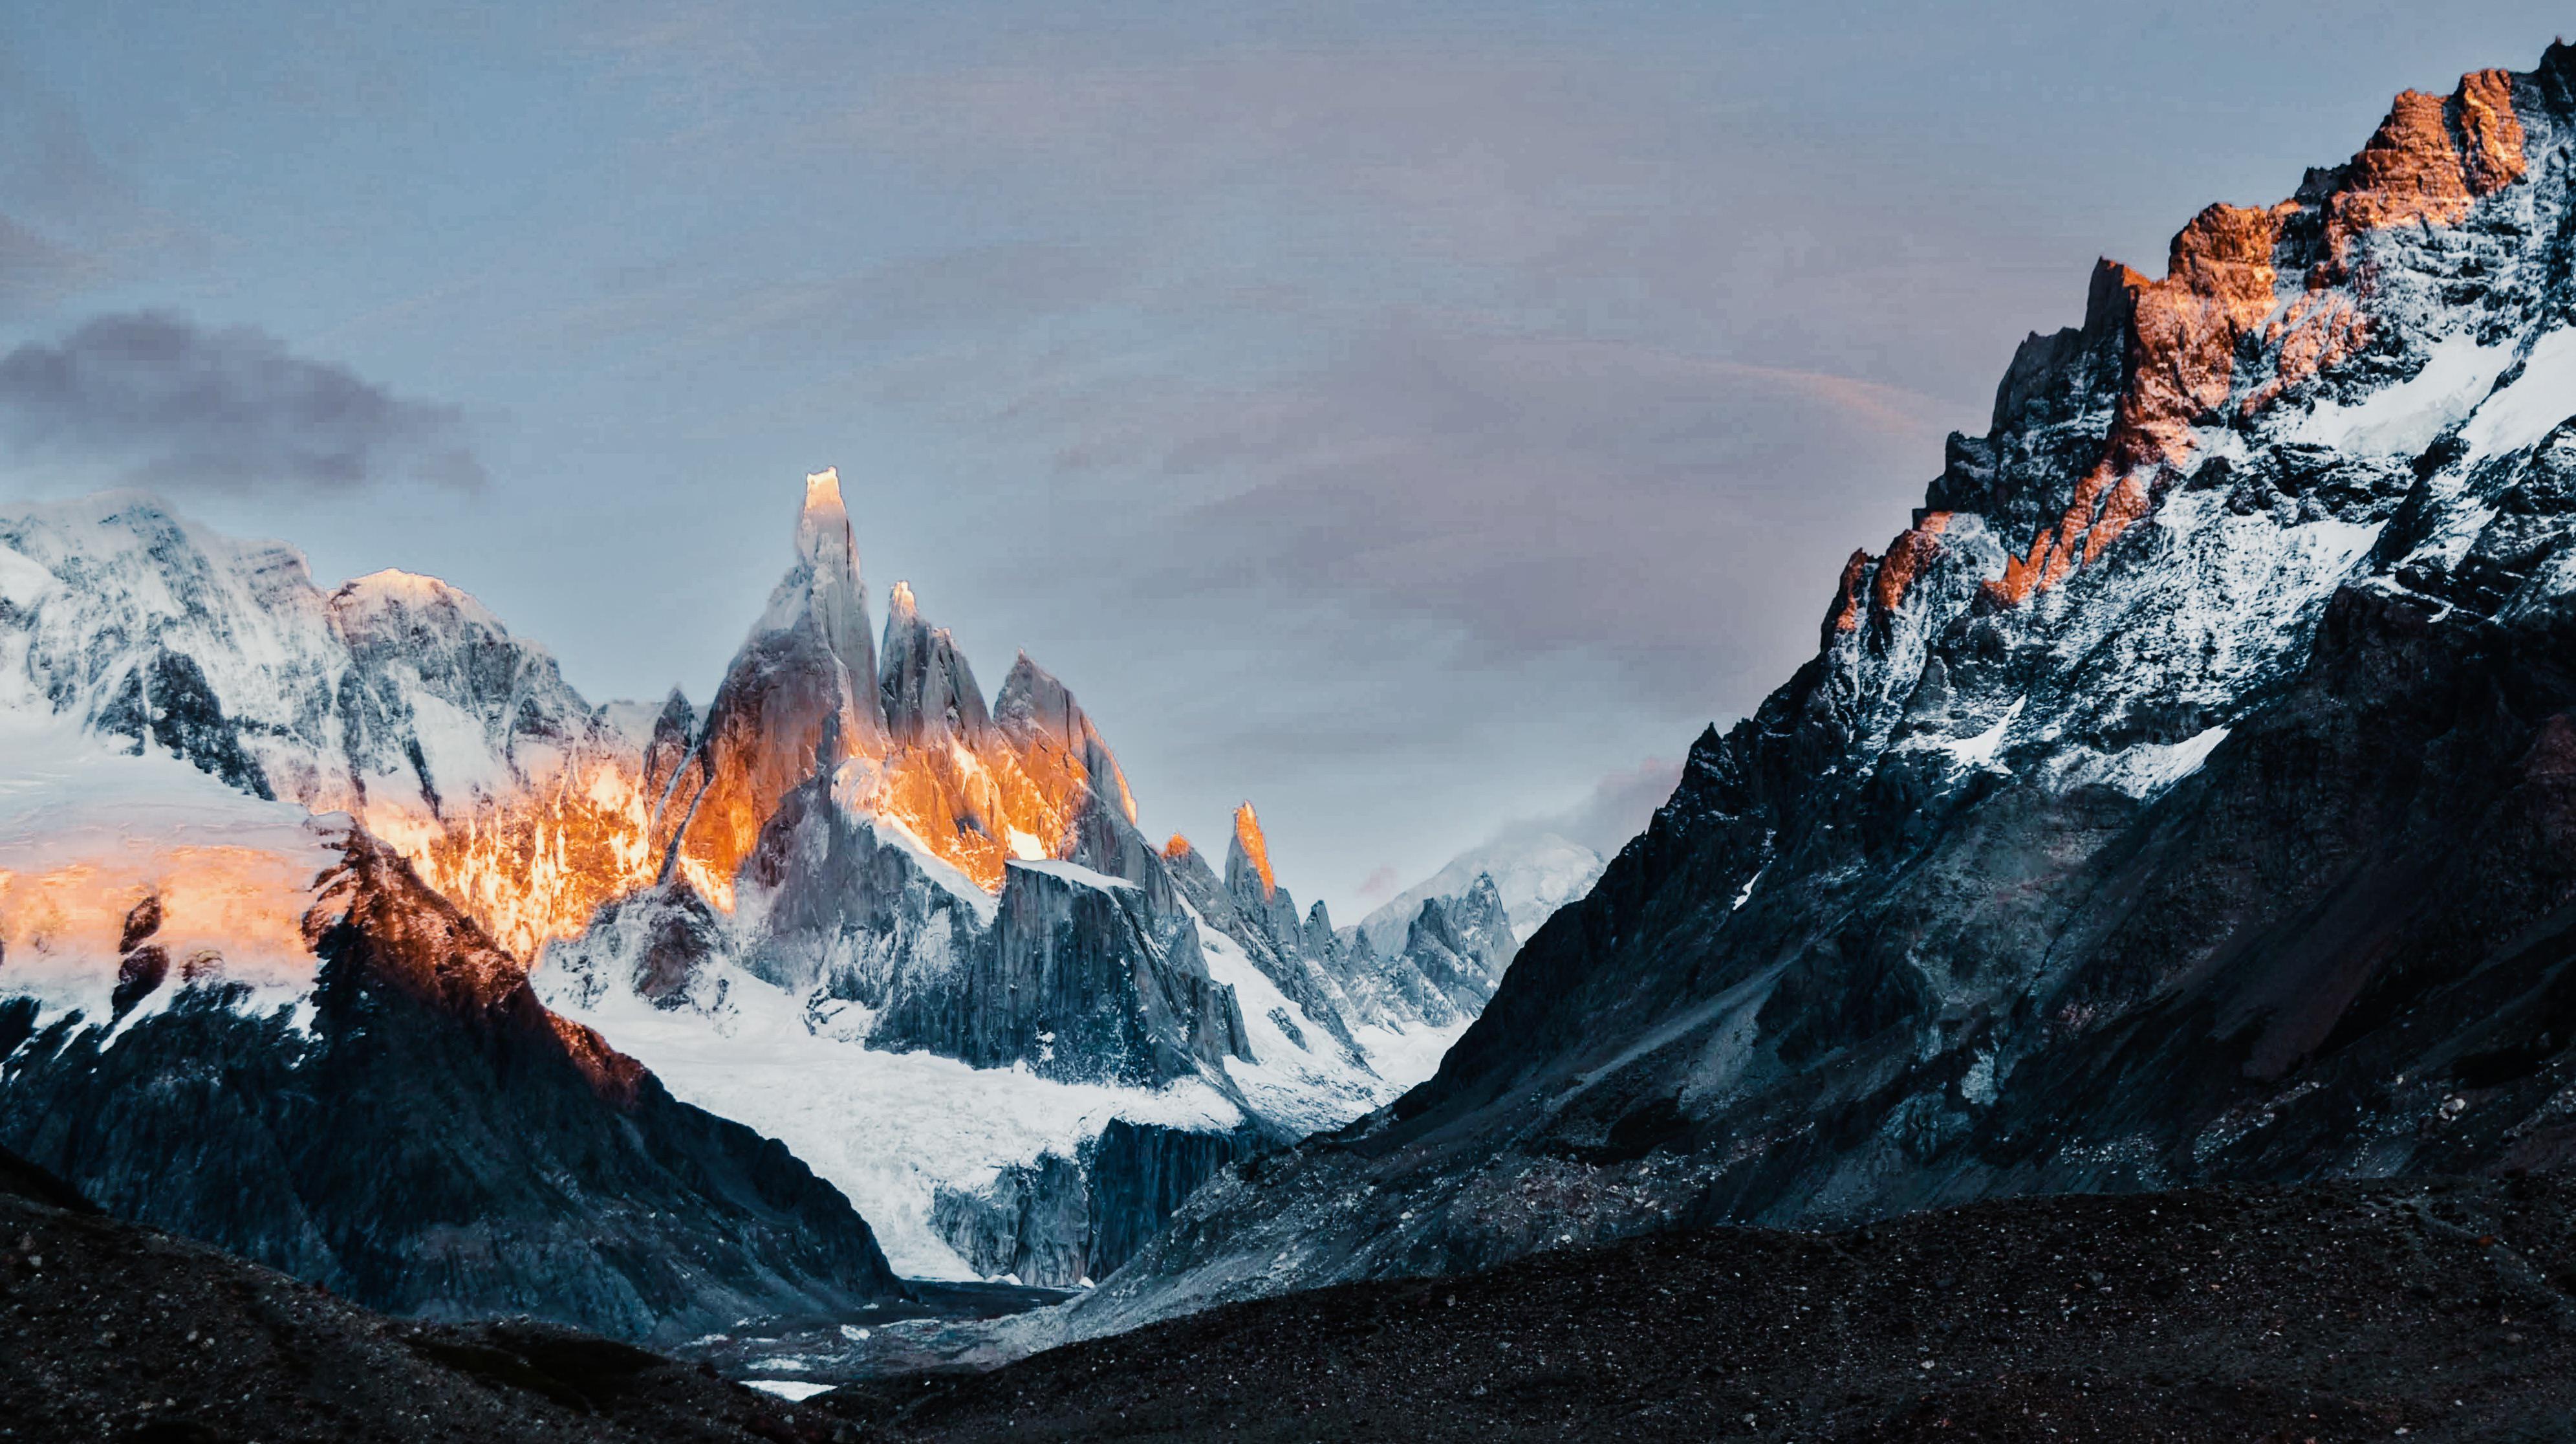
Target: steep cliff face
(2178,799)
(1083,979)
(801,696)
(907,741)
(227,1019)
(1062,1222)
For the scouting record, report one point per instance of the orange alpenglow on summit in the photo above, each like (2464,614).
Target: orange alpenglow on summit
(1247,835)
(902,732)
(2239,274)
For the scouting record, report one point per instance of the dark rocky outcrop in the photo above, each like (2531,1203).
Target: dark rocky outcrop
(113,1330)
(429,1139)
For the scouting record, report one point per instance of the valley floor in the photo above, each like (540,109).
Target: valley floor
(2440,1310)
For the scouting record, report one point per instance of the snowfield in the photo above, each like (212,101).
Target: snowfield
(87,836)
(888,1129)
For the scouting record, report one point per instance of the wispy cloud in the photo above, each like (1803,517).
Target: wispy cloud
(1614,811)
(154,399)
(72,219)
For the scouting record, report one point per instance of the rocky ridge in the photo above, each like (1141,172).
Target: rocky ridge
(921,872)
(2177,800)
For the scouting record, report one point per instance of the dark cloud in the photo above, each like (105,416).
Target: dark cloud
(161,401)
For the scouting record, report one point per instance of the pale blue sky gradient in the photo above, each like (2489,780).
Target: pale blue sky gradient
(1406,417)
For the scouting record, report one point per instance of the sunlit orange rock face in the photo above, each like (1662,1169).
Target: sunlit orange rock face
(2280,279)
(909,741)
(1876,586)
(1850,595)
(799,698)
(539,815)
(1906,556)
(535,869)
(2431,159)
(1256,848)
(1008,794)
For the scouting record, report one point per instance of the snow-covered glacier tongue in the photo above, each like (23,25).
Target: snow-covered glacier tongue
(2182,797)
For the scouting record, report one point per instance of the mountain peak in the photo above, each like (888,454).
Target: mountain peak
(1034,707)
(2256,304)
(924,685)
(827,594)
(823,519)
(1252,849)
(398,592)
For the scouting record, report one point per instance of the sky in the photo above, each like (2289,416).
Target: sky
(1421,420)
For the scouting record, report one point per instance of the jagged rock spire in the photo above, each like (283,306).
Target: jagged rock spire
(800,697)
(924,684)
(826,593)
(1247,860)
(1035,711)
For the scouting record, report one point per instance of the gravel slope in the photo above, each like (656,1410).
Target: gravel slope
(2439,1309)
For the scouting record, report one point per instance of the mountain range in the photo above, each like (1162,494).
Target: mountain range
(913,934)
(2182,798)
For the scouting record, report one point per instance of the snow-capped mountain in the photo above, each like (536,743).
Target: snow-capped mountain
(952,903)
(234,1018)
(1534,874)
(394,698)
(2184,796)
(1040,1029)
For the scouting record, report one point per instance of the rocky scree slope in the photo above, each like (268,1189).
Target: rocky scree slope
(2440,1308)
(2184,797)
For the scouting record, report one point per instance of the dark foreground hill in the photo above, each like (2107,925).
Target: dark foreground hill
(2439,1310)
(2338,1312)
(110,1331)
